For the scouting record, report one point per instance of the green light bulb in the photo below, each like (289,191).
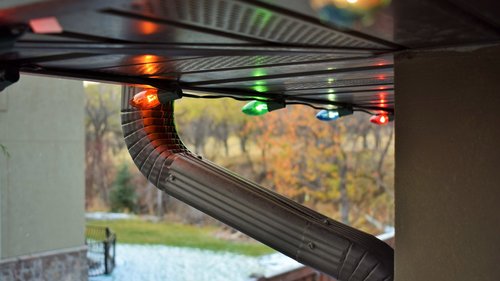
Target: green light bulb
(255,108)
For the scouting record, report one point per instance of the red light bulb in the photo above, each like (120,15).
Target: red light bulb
(380,119)
(146,99)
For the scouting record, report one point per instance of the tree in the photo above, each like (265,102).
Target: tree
(123,196)
(216,120)
(340,168)
(195,123)
(102,135)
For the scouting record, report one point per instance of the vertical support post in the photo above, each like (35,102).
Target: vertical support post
(106,252)
(447,164)
(114,253)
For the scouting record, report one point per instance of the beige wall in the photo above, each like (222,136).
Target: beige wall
(448,165)
(42,179)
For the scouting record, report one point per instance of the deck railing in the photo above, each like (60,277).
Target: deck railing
(101,250)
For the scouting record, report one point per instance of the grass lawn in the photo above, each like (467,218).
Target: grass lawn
(180,235)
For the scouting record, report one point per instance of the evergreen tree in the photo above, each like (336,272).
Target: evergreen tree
(123,197)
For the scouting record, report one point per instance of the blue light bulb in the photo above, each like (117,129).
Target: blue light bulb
(333,114)
(328,115)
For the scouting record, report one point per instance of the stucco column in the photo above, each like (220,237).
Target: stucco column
(448,164)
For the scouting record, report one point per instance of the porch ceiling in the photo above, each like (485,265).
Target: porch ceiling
(277,49)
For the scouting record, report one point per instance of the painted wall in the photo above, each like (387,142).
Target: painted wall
(448,165)
(42,177)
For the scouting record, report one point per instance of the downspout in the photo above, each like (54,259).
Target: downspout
(292,229)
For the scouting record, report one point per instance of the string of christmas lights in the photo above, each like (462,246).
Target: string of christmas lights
(151,98)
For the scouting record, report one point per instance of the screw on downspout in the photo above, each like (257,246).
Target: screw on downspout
(171,177)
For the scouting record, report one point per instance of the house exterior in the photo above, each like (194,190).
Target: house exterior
(42,180)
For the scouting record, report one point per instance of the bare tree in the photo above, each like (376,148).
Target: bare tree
(101,107)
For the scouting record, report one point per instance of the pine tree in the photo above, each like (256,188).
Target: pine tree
(123,197)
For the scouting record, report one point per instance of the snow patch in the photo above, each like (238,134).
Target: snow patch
(108,216)
(157,262)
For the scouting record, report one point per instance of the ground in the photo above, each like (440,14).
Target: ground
(158,262)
